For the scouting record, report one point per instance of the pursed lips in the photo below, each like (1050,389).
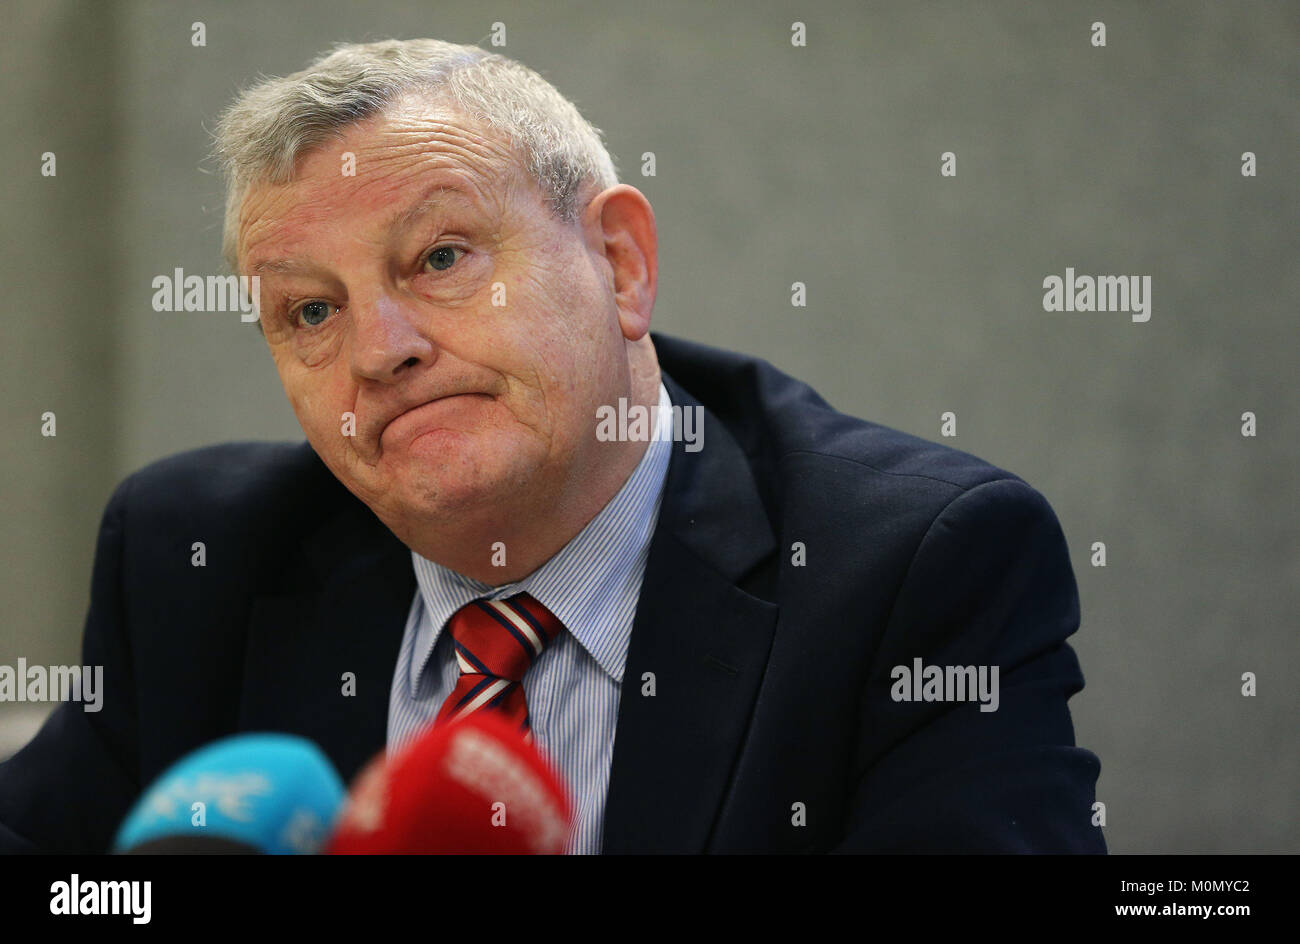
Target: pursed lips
(409,416)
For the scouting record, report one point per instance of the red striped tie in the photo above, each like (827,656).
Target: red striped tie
(496,643)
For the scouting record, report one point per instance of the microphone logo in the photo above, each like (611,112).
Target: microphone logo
(480,763)
(229,793)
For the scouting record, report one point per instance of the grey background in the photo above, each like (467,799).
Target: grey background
(778,164)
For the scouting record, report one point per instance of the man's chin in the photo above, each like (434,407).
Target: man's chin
(440,501)
(429,485)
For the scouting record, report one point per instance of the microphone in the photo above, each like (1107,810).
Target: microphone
(469,787)
(250,793)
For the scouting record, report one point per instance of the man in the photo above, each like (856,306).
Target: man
(755,624)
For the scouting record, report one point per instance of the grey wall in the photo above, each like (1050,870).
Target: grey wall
(778,164)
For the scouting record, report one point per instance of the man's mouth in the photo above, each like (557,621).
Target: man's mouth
(429,417)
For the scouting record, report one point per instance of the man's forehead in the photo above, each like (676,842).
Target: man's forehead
(389,171)
(399,150)
(413,123)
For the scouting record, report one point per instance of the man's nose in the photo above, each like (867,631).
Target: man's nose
(387,339)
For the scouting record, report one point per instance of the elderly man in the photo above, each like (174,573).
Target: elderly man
(790,631)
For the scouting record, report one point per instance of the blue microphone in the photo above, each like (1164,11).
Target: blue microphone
(250,793)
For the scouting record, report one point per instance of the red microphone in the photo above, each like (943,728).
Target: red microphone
(469,787)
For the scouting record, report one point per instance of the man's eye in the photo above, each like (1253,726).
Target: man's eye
(444,257)
(313,313)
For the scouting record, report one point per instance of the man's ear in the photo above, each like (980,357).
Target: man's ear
(619,224)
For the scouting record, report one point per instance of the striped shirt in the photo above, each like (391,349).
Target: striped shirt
(592,584)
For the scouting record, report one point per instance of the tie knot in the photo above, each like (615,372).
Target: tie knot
(502,638)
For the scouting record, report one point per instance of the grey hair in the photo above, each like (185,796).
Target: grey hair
(260,137)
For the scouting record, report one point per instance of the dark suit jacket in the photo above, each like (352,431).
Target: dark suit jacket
(772,680)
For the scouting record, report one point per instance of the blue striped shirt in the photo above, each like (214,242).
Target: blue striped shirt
(592,584)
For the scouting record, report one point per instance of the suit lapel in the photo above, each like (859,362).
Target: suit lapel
(342,620)
(703,641)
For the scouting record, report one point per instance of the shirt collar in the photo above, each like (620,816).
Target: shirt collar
(591,584)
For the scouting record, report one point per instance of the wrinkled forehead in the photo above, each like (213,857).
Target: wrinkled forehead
(414,159)
(417,127)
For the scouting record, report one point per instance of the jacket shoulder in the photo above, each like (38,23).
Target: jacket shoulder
(246,503)
(230,478)
(791,434)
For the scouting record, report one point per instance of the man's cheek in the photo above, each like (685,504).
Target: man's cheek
(320,351)
(311,405)
(306,350)
(276,332)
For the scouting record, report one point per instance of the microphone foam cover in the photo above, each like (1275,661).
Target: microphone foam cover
(273,793)
(474,786)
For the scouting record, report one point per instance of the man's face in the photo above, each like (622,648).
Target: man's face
(434,297)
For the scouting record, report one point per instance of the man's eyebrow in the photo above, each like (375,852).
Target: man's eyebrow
(286,266)
(434,198)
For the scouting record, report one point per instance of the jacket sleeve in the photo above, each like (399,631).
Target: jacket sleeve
(990,586)
(68,789)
